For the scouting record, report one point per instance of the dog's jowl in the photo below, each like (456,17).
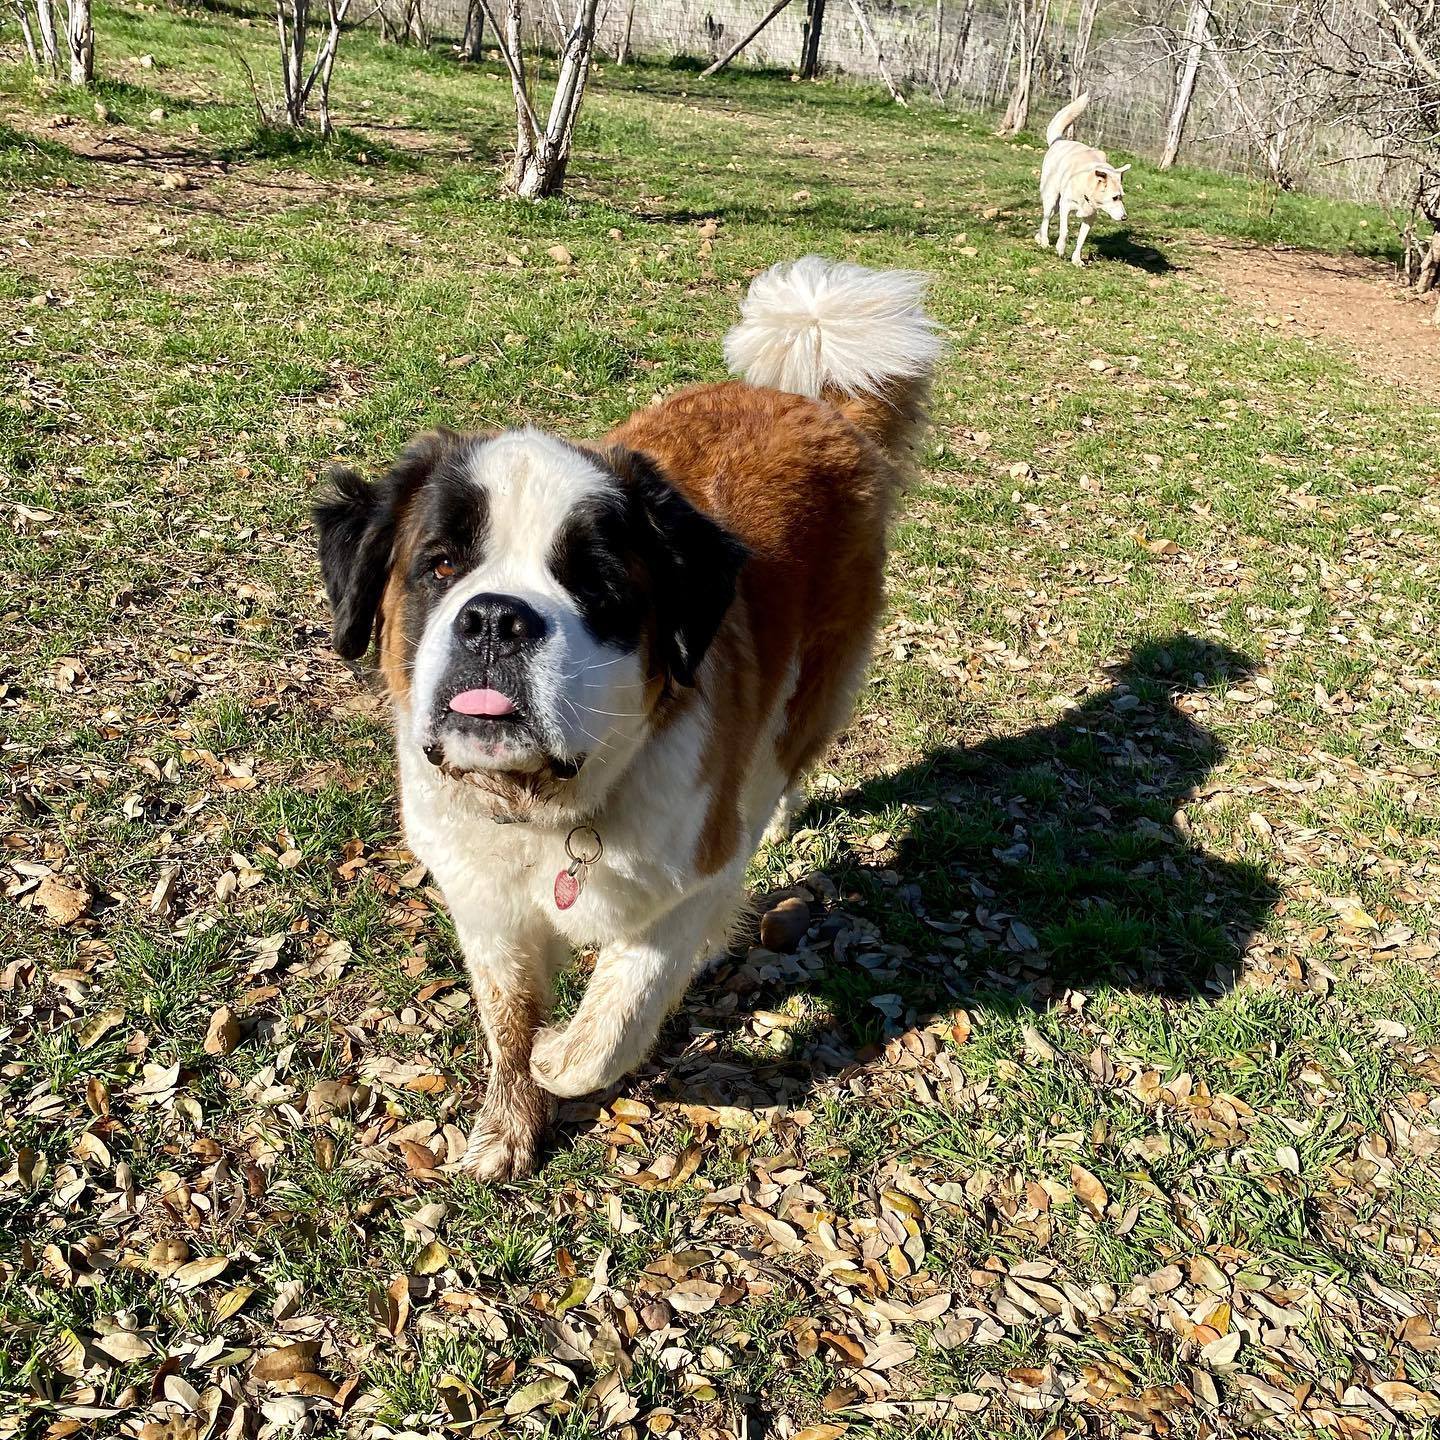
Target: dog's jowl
(612,662)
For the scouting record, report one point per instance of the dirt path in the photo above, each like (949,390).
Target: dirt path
(1344,302)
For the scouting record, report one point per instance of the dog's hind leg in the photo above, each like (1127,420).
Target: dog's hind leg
(1042,235)
(1079,243)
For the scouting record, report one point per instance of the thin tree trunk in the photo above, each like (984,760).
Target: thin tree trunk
(622,55)
(937,55)
(1084,28)
(1270,146)
(880,64)
(80,36)
(293,30)
(1429,274)
(956,67)
(739,45)
(45,21)
(473,41)
(323,67)
(23,16)
(526,128)
(1030,28)
(1196,24)
(810,41)
(544,172)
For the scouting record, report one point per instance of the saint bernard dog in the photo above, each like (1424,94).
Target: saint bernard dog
(611,662)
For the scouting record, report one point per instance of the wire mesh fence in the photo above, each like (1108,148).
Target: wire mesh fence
(963,53)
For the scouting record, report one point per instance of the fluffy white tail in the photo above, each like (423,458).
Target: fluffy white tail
(816,326)
(1065,118)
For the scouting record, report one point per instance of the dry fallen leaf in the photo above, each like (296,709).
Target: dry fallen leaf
(93,1030)
(288,1361)
(223,1034)
(1088,1190)
(195,1273)
(1352,913)
(534,1395)
(63,898)
(124,1346)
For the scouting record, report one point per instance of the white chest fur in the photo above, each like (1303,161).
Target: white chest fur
(649,824)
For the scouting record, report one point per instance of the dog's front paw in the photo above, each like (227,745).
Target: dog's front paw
(562,1063)
(505,1142)
(1078,262)
(1043,241)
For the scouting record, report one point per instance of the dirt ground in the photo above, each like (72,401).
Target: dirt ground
(1344,302)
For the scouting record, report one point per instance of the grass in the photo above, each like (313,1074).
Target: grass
(1134,840)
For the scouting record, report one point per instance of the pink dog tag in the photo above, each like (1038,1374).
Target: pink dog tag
(571,880)
(567,887)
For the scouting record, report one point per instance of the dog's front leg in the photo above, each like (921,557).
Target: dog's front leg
(1080,243)
(510,976)
(1064,229)
(636,984)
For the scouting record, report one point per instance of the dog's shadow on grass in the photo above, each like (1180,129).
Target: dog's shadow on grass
(1122,245)
(1019,868)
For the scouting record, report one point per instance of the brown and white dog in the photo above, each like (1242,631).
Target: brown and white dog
(1078,178)
(612,662)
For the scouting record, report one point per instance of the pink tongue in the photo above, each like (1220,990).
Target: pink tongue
(482,702)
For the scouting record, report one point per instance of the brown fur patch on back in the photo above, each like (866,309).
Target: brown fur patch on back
(810,493)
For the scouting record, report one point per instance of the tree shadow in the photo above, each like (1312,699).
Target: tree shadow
(1018,869)
(1123,246)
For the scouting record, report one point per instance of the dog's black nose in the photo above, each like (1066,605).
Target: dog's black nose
(498,625)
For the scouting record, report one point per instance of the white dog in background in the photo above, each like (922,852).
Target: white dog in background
(1077,178)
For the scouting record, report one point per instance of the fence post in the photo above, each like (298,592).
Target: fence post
(810,43)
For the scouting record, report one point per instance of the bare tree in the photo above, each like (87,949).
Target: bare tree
(868,31)
(1029,21)
(1197,26)
(1380,70)
(37,27)
(622,51)
(1084,28)
(403,22)
(473,40)
(955,66)
(36,19)
(80,35)
(810,39)
(542,151)
(305,78)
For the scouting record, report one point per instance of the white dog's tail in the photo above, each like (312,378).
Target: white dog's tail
(858,338)
(1065,118)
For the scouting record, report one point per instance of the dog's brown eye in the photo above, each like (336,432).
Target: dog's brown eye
(443,568)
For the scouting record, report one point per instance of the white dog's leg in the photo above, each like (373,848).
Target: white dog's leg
(787,812)
(1042,235)
(1079,243)
(510,977)
(636,984)
(1064,228)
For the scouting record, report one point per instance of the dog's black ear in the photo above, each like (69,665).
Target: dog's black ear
(356,522)
(693,562)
